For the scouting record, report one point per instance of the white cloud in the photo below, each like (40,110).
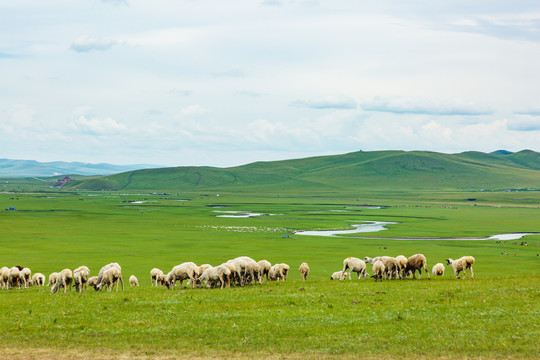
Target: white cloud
(97,127)
(88,43)
(332,102)
(409,105)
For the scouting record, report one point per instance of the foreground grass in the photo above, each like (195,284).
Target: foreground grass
(490,318)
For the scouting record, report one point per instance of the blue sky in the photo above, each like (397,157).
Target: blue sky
(224,83)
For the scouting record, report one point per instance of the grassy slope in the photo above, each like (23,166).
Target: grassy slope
(343,173)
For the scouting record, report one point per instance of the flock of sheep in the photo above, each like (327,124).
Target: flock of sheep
(240,271)
(400,267)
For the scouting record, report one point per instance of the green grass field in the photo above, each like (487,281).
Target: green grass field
(494,316)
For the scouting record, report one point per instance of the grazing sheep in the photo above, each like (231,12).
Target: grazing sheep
(339,275)
(4,277)
(232,271)
(213,276)
(156,275)
(100,283)
(240,266)
(251,270)
(26,276)
(14,278)
(417,262)
(278,272)
(52,279)
(402,264)
(304,270)
(378,270)
(92,281)
(462,264)
(264,268)
(80,277)
(184,271)
(355,265)
(38,279)
(111,276)
(438,269)
(204,267)
(133,281)
(390,264)
(284,270)
(65,278)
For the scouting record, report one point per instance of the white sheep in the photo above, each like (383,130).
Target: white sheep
(391,266)
(276,273)
(100,282)
(4,277)
(214,275)
(378,270)
(92,281)
(14,278)
(133,281)
(111,276)
(26,276)
(65,278)
(251,269)
(356,265)
(339,275)
(462,264)
(240,266)
(264,268)
(52,279)
(438,269)
(402,264)
(304,270)
(38,279)
(417,262)
(184,271)
(156,275)
(80,277)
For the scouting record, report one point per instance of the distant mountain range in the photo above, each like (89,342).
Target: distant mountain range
(368,170)
(28,168)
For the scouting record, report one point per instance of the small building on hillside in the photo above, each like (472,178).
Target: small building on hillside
(61,182)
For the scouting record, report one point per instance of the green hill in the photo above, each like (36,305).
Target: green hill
(378,170)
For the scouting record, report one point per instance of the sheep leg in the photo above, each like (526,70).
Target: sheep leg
(472,273)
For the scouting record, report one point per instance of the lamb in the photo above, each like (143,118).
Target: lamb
(26,276)
(4,277)
(188,270)
(402,264)
(156,275)
(339,275)
(14,278)
(355,265)
(80,277)
(264,268)
(304,270)
(204,267)
(390,264)
(65,278)
(111,276)
(378,270)
(438,269)
(52,279)
(133,281)
(92,281)
(100,280)
(462,264)
(38,279)
(417,262)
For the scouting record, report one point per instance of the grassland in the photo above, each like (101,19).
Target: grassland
(494,316)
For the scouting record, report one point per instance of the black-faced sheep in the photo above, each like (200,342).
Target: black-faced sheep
(417,262)
(438,269)
(133,281)
(356,265)
(462,264)
(378,270)
(64,280)
(155,276)
(304,270)
(184,271)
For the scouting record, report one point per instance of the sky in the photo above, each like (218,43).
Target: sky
(226,83)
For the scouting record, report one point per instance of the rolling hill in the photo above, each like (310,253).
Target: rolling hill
(25,168)
(399,170)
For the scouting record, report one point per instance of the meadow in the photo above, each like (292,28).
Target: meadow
(496,315)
